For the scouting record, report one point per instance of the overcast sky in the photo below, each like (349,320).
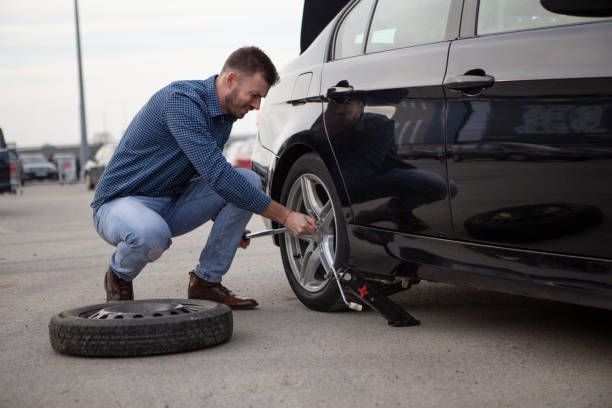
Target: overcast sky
(131,48)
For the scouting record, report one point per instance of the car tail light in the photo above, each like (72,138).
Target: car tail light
(243,163)
(13,169)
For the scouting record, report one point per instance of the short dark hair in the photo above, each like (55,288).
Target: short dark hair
(251,60)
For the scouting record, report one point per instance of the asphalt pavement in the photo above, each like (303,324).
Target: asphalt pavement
(473,348)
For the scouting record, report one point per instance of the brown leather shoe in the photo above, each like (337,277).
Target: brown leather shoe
(201,289)
(116,288)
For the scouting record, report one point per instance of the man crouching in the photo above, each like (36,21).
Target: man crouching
(149,192)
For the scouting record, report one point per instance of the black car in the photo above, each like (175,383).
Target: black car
(515,151)
(5,166)
(5,171)
(384,79)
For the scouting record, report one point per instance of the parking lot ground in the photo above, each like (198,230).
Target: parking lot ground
(473,348)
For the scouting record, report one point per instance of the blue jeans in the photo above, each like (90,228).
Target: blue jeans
(141,228)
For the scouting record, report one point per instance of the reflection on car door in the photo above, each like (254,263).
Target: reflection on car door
(384,113)
(541,97)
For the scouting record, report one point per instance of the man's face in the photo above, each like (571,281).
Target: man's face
(344,116)
(246,94)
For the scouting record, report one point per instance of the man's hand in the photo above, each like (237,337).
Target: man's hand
(244,242)
(300,224)
(296,223)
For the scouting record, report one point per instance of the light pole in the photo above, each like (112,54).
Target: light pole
(84,145)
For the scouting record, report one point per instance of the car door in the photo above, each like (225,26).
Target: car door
(538,86)
(384,111)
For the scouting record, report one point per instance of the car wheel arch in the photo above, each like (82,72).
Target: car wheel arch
(281,169)
(291,151)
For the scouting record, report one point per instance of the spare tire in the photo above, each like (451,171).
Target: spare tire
(140,328)
(531,223)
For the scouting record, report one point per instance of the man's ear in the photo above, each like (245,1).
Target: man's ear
(231,80)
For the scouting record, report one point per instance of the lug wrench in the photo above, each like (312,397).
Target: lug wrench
(264,233)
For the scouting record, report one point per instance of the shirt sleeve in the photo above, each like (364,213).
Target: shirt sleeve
(190,126)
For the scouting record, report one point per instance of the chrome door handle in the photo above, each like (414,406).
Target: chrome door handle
(460,83)
(339,91)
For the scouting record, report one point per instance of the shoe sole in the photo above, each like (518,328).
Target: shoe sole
(232,307)
(243,307)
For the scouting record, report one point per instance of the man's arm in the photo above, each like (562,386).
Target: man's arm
(189,128)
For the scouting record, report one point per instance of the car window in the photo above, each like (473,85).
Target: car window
(398,24)
(497,16)
(351,33)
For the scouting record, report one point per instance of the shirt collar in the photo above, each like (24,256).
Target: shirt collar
(213,101)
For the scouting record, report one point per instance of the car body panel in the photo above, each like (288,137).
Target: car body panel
(394,83)
(553,117)
(574,279)
(282,135)
(404,115)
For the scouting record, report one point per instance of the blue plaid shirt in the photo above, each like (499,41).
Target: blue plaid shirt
(179,133)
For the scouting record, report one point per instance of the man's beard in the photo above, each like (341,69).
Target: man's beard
(232,104)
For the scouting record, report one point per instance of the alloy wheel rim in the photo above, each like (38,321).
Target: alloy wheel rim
(140,310)
(312,256)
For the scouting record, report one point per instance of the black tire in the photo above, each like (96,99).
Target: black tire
(532,222)
(164,326)
(326,298)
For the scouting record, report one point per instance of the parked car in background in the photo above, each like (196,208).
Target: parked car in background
(237,138)
(5,171)
(242,158)
(238,148)
(16,171)
(5,166)
(95,166)
(239,154)
(37,167)
(387,80)
(66,168)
